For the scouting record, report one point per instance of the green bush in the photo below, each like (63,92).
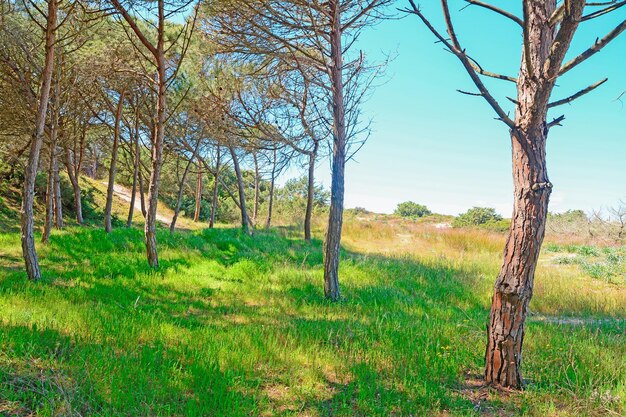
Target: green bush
(411,209)
(569,216)
(357,211)
(501,225)
(478,216)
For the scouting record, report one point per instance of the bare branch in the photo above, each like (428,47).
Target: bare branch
(557,15)
(470,93)
(497,10)
(600,43)
(562,40)
(527,59)
(460,54)
(578,94)
(602,12)
(556,122)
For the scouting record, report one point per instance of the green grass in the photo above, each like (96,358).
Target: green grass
(607,263)
(237,326)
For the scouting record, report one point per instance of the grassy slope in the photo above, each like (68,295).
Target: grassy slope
(238,326)
(120,207)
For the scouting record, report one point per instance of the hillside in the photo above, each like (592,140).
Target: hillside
(233,325)
(94,198)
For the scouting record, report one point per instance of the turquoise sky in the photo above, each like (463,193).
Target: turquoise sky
(437,147)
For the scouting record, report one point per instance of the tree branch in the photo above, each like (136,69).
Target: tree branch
(601,43)
(602,12)
(133,25)
(527,59)
(497,10)
(460,54)
(578,94)
(555,122)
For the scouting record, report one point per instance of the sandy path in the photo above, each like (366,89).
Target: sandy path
(124,194)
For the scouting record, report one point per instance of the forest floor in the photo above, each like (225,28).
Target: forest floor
(232,325)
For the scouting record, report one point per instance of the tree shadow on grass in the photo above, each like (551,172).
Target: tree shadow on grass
(397,342)
(46,372)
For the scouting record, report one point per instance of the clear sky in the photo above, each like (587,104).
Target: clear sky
(434,146)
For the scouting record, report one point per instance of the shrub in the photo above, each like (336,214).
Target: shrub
(569,216)
(411,209)
(359,211)
(477,216)
(502,225)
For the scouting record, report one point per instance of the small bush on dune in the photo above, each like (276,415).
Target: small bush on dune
(411,209)
(358,211)
(480,216)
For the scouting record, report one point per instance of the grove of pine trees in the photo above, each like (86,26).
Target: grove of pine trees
(205,104)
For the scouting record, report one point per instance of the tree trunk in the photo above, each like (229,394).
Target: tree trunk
(215,189)
(255,210)
(142,195)
(245,220)
(49,221)
(58,200)
(27,221)
(270,207)
(332,244)
(78,204)
(55,132)
(81,152)
(181,188)
(113,166)
(199,187)
(133,195)
(310,194)
(514,285)
(157,146)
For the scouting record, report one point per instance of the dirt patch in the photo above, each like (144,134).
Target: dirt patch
(124,194)
(577,321)
(487,401)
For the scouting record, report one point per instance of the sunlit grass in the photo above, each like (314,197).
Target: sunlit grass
(232,325)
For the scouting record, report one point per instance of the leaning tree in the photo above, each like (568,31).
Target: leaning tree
(50,28)
(547,31)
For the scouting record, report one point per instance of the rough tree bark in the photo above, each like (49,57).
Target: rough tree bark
(157,155)
(215,188)
(547,36)
(245,219)
(541,60)
(332,243)
(310,193)
(27,222)
(113,166)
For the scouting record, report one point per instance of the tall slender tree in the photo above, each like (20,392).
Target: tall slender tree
(320,35)
(157,51)
(27,215)
(113,165)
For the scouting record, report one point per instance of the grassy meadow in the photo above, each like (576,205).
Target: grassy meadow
(232,325)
